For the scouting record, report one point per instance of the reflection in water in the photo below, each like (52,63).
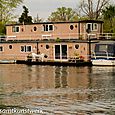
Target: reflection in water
(60,77)
(65,90)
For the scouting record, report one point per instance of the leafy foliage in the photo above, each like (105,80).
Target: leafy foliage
(6,9)
(63,14)
(109,18)
(2,28)
(6,12)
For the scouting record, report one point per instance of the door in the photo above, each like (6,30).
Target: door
(64,51)
(57,51)
(60,52)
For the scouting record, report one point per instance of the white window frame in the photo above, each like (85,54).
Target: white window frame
(92,26)
(95,29)
(2,49)
(25,47)
(48,29)
(14,29)
(60,45)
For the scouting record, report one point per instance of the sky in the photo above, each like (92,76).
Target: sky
(45,7)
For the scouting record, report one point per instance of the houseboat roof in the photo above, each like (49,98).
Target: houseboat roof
(45,41)
(82,21)
(106,42)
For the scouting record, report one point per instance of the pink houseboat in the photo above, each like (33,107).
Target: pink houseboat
(58,41)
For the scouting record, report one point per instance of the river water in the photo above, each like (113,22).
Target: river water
(57,90)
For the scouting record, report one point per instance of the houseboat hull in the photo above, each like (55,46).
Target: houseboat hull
(7,61)
(103,62)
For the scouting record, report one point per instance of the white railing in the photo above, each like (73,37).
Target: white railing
(81,36)
(106,35)
(105,55)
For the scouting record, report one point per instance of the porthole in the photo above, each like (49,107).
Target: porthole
(75,26)
(35,28)
(10,46)
(71,27)
(76,46)
(47,46)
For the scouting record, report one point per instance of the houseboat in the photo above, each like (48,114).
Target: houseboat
(58,41)
(104,53)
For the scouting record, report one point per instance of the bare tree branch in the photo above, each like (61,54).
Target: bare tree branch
(93,8)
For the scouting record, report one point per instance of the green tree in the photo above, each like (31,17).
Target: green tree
(25,18)
(2,28)
(6,9)
(63,14)
(6,12)
(109,18)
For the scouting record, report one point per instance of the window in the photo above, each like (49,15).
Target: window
(22,48)
(48,27)
(103,48)
(91,27)
(95,26)
(35,28)
(10,46)
(71,27)
(1,48)
(26,48)
(47,46)
(15,29)
(77,46)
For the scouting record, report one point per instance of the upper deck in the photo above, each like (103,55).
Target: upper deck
(54,30)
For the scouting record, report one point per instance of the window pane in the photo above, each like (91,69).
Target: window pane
(50,27)
(15,29)
(1,48)
(103,48)
(95,27)
(22,48)
(28,48)
(57,51)
(89,27)
(46,27)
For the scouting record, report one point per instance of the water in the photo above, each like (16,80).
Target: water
(57,90)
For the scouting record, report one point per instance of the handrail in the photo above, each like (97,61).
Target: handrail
(108,56)
(58,35)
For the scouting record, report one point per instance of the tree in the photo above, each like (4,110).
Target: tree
(109,18)
(6,12)
(38,19)
(6,9)
(24,17)
(2,28)
(63,14)
(93,8)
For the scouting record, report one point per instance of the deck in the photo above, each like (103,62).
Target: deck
(55,63)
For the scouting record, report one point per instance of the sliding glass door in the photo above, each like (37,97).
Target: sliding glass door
(60,52)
